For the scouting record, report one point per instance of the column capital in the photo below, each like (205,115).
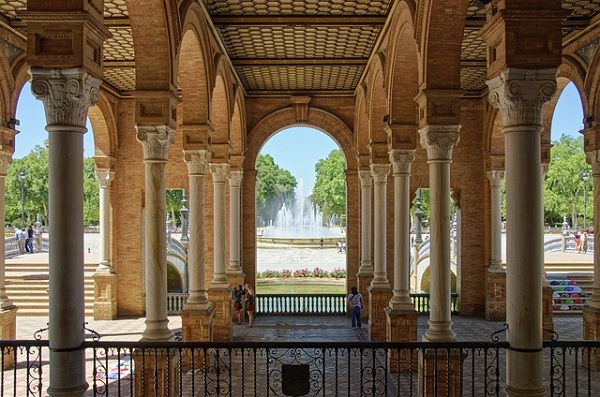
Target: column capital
(366,178)
(495,177)
(521,93)
(380,172)
(5,160)
(66,93)
(439,140)
(155,140)
(402,160)
(197,161)
(235,178)
(593,158)
(219,171)
(105,178)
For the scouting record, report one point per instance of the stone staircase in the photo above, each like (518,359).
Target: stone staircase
(581,273)
(27,288)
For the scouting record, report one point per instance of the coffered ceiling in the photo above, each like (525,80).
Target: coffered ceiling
(305,47)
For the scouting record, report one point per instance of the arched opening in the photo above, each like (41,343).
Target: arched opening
(300,214)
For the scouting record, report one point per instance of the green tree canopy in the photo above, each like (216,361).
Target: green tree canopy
(274,187)
(564,184)
(329,192)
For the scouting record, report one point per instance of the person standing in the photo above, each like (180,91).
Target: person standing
(237,302)
(250,304)
(23,247)
(584,242)
(355,302)
(30,239)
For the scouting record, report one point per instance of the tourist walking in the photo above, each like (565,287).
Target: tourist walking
(584,242)
(250,304)
(355,302)
(23,247)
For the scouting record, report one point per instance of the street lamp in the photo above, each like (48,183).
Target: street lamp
(22,177)
(418,217)
(184,219)
(585,177)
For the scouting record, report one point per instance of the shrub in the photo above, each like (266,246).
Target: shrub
(338,272)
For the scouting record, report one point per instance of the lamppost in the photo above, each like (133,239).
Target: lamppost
(22,177)
(418,217)
(184,219)
(585,177)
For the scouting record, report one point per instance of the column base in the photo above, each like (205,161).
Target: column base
(378,302)
(591,331)
(363,281)
(547,312)
(105,296)
(8,331)
(495,296)
(196,326)
(220,299)
(439,331)
(156,373)
(401,327)
(440,375)
(512,392)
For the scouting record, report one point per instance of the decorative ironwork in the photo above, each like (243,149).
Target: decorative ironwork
(37,335)
(95,336)
(495,337)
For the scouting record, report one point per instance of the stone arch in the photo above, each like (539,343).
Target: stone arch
(7,86)
(378,113)
(317,118)
(237,129)
(220,119)
(152,45)
(403,69)
(193,72)
(439,42)
(361,127)
(103,121)
(592,89)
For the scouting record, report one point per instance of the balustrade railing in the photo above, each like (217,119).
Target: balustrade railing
(306,304)
(290,368)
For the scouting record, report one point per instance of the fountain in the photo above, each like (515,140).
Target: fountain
(300,220)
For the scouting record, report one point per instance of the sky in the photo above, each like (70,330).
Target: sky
(295,149)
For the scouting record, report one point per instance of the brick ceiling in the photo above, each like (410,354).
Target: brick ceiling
(301,47)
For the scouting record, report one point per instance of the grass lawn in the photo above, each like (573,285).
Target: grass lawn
(304,285)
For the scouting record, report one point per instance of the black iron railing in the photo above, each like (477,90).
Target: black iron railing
(421,302)
(315,369)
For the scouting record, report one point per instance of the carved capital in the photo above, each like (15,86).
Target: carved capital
(593,158)
(105,178)
(5,160)
(439,140)
(520,94)
(155,140)
(197,161)
(495,178)
(219,172)
(366,179)
(402,160)
(380,172)
(67,95)
(235,178)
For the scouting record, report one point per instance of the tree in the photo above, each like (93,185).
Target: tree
(91,192)
(564,185)
(274,186)
(329,192)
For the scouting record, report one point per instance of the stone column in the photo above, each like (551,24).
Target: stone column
(67,95)
(591,310)
(380,290)
(198,315)
(8,310)
(495,304)
(401,313)
(105,281)
(234,271)
(520,95)
(439,140)
(155,140)
(365,271)
(219,287)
